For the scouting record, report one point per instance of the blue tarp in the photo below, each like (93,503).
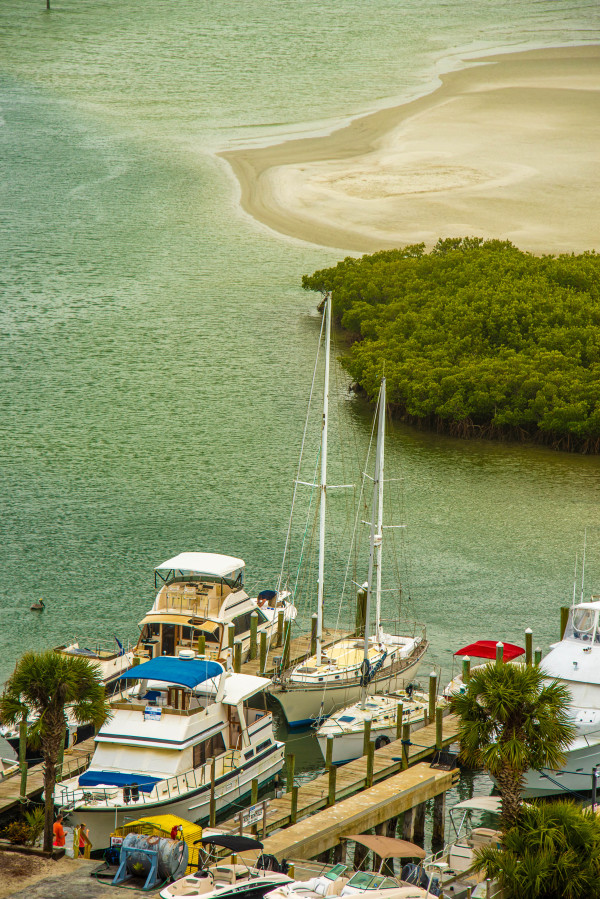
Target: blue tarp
(118,779)
(185,672)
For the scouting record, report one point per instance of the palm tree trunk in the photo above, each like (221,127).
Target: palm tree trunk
(510,784)
(49,782)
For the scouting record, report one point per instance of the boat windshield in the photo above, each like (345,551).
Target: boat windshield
(363,880)
(583,625)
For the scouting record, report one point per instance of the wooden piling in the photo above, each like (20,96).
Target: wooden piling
(405,744)
(390,831)
(537,656)
(263,651)
(439,820)
(399,714)
(564,617)
(367,735)
(439,725)
(529,647)
(360,854)
(466,669)
(339,853)
(329,752)
(499,653)
(253,635)
(237,656)
(285,655)
(254,791)
(419,824)
(212,803)
(370,762)
(294,805)
(280,616)
(331,793)
(377,860)
(432,695)
(361,611)
(407,825)
(290,761)
(231,638)
(202,645)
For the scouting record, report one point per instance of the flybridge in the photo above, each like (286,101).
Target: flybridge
(184,672)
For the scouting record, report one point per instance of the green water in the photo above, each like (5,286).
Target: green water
(156,347)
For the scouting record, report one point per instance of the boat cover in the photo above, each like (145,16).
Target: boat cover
(486,649)
(118,779)
(169,670)
(231,841)
(388,847)
(212,564)
(480,803)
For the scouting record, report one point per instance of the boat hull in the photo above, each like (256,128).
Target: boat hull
(576,775)
(193,805)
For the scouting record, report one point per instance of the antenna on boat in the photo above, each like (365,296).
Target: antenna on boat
(583,562)
(323,485)
(575,581)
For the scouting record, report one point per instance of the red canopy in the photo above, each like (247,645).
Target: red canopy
(486,649)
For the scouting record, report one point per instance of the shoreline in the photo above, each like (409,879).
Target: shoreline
(505,147)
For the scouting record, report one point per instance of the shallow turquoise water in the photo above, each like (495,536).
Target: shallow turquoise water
(156,347)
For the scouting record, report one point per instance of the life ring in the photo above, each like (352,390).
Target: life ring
(382,740)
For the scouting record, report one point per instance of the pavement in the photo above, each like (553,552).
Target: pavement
(30,877)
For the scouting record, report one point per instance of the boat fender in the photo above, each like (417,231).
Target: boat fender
(382,740)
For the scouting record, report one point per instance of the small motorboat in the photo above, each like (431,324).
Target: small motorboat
(227,880)
(38,606)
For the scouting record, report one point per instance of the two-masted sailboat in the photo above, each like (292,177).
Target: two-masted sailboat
(334,676)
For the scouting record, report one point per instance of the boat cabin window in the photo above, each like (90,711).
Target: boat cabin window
(583,625)
(205,751)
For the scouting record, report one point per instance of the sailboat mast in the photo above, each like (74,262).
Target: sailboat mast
(374,533)
(323,484)
(379,534)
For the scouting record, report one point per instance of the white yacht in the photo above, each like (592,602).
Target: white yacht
(347,726)
(481,649)
(155,755)
(335,676)
(200,594)
(575,662)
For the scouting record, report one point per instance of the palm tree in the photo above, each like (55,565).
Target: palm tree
(512,720)
(41,686)
(553,850)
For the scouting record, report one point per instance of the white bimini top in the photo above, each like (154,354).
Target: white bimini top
(212,564)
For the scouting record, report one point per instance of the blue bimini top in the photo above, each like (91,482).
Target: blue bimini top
(118,779)
(184,672)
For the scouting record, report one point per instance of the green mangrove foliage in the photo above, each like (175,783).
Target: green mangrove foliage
(477,337)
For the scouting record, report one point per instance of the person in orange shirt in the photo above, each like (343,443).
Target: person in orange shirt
(59,832)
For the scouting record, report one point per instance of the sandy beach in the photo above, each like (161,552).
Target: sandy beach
(508,147)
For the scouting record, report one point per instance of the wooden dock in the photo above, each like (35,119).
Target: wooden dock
(367,809)
(299,648)
(352,777)
(76,760)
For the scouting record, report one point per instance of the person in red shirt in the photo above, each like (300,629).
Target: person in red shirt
(59,832)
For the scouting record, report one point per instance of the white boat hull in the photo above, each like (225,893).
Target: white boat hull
(194,805)
(303,704)
(576,774)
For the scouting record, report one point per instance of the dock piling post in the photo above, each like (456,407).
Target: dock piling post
(213,803)
(399,714)
(370,763)
(360,854)
(361,611)
(407,825)
(329,752)
(253,635)
(419,824)
(202,645)
(528,647)
(231,637)
(290,761)
(439,724)
(263,652)
(367,735)
(237,657)
(537,656)
(280,616)
(466,669)
(23,757)
(285,655)
(564,617)
(313,634)
(439,818)
(432,695)
(294,808)
(61,754)
(254,791)
(405,745)
(499,653)
(331,793)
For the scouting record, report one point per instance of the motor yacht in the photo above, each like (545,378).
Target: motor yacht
(575,662)
(183,719)
(198,596)
(480,650)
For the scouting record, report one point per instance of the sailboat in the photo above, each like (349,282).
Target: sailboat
(334,676)
(346,726)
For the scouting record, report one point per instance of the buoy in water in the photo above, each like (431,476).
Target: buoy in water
(38,606)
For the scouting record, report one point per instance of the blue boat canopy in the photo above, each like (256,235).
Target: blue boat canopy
(118,779)
(185,672)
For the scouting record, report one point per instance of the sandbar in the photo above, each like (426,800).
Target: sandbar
(507,147)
